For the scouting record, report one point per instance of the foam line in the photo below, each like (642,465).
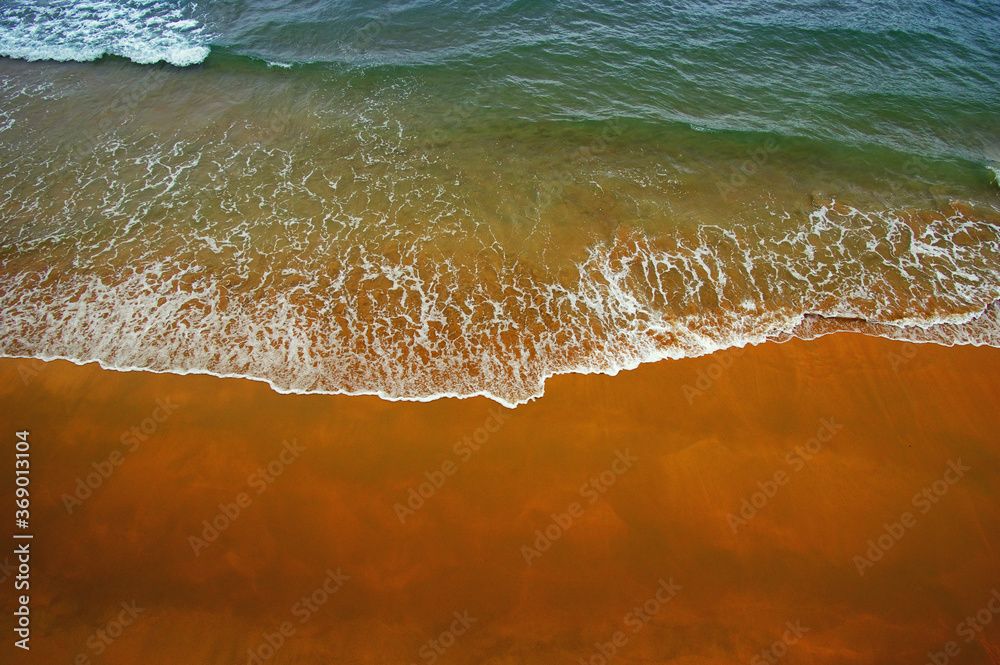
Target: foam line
(143,32)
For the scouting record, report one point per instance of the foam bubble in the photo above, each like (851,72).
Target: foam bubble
(144,32)
(362,272)
(406,330)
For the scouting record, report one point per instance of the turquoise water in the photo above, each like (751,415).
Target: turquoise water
(919,76)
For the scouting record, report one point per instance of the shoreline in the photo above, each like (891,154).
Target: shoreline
(973,329)
(530,334)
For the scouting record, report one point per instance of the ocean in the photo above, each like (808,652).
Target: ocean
(426,199)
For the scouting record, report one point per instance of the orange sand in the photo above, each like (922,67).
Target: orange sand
(905,411)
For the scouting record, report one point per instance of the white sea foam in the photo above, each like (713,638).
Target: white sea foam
(240,258)
(144,32)
(281,372)
(313,332)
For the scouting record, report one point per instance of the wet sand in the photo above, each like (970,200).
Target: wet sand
(647,471)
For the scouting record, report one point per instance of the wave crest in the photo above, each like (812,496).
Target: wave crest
(143,32)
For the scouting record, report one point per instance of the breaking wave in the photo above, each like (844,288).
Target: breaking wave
(404,324)
(143,32)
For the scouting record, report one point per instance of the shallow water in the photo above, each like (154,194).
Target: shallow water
(450,199)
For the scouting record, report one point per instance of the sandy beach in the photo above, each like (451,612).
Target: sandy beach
(515,333)
(825,501)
